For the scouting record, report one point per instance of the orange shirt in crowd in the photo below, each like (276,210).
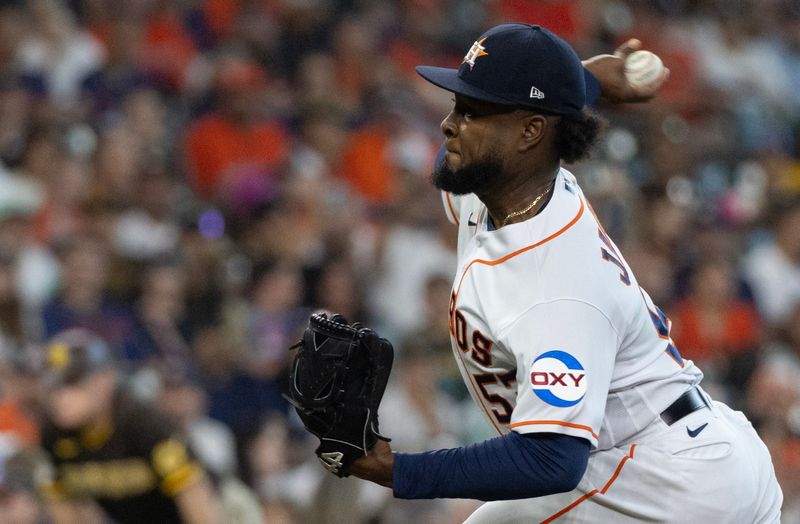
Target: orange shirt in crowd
(366,164)
(222,15)
(165,49)
(739,330)
(168,49)
(15,421)
(563,17)
(215,144)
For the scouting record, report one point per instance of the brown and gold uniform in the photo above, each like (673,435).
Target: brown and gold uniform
(132,467)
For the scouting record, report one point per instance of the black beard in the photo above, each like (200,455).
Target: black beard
(477,177)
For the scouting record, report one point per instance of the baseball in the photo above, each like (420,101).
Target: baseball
(643,68)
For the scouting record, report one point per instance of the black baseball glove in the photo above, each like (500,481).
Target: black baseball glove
(337,380)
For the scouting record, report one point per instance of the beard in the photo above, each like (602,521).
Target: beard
(477,177)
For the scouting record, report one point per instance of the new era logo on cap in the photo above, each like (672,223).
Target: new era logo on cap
(535,93)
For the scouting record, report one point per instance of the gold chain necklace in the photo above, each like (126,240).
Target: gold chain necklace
(522,212)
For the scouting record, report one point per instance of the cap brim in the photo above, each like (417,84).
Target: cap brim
(449,80)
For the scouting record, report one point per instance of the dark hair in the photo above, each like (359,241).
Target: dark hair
(577,134)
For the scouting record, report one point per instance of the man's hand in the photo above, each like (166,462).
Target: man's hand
(609,70)
(377,465)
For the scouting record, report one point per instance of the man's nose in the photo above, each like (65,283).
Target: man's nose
(448,126)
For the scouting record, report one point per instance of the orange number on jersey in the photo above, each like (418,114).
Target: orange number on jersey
(506,379)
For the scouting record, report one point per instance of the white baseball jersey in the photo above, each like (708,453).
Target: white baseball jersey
(553,334)
(550,329)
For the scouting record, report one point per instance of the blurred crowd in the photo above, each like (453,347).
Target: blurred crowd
(189,179)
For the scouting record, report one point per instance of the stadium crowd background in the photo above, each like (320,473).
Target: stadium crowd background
(191,178)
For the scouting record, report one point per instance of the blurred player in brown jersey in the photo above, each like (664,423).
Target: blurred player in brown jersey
(109,450)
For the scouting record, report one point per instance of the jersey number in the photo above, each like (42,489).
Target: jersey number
(661,322)
(610,254)
(663,326)
(506,379)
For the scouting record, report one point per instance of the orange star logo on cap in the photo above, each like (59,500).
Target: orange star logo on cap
(476,51)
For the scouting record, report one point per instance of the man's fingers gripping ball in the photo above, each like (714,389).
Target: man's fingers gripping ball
(338,378)
(630,46)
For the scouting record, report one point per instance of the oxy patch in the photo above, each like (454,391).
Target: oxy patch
(558,379)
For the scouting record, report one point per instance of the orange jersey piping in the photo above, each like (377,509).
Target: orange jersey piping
(594,491)
(450,206)
(554,423)
(521,250)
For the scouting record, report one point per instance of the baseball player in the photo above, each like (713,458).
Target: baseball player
(106,447)
(599,418)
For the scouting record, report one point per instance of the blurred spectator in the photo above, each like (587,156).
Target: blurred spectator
(12,329)
(29,268)
(236,143)
(183,400)
(773,402)
(19,424)
(83,301)
(146,117)
(104,88)
(417,410)
(58,51)
(19,475)
(433,338)
(161,311)
(772,268)
(560,16)
(234,397)
(66,183)
(167,50)
(714,328)
(339,290)
(109,449)
(117,167)
(414,411)
(377,155)
(202,254)
(789,42)
(148,231)
(728,50)
(268,453)
(774,393)
(276,318)
(415,244)
(354,46)
(15,112)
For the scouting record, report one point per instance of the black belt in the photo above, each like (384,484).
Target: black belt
(687,403)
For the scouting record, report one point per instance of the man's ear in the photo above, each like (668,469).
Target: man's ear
(535,127)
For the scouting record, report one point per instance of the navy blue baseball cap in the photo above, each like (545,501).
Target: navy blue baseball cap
(74,354)
(519,65)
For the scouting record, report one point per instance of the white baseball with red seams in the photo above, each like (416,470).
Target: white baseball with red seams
(642,68)
(552,334)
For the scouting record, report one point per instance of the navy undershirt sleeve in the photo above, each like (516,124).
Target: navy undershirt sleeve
(513,466)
